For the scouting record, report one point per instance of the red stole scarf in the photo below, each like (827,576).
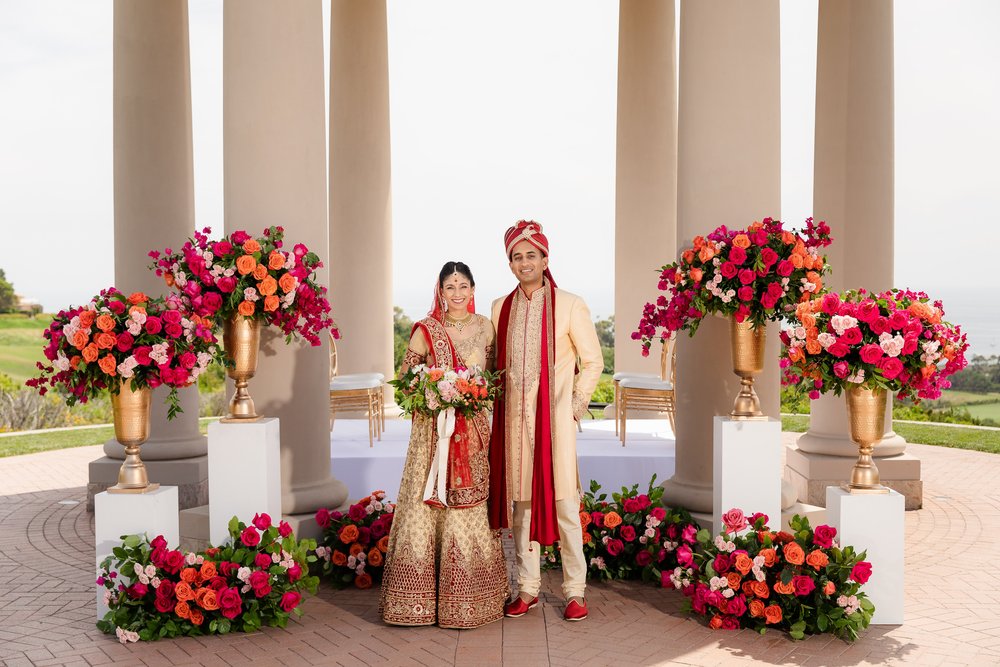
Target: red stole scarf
(544,527)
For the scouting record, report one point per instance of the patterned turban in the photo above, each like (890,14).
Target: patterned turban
(526,230)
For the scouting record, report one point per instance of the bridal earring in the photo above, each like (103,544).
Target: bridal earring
(444,305)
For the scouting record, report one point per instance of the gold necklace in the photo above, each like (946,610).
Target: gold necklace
(457,324)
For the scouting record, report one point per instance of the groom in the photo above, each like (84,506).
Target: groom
(541,331)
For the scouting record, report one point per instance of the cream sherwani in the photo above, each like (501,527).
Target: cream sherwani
(575,337)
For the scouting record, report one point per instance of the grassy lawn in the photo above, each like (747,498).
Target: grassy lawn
(985,411)
(954,397)
(941,435)
(78,437)
(21,345)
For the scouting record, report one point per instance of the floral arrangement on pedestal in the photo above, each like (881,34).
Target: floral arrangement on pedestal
(751,577)
(145,340)
(252,277)
(755,274)
(354,543)
(430,389)
(257,579)
(896,340)
(632,536)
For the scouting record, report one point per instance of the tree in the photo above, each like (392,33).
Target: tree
(401,326)
(606,335)
(8,301)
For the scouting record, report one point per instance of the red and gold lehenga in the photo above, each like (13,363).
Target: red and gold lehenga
(444,564)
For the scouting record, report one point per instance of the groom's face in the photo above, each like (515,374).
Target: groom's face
(527,263)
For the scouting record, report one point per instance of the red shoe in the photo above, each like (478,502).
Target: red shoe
(519,607)
(575,611)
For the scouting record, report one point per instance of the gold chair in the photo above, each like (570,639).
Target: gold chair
(647,392)
(357,391)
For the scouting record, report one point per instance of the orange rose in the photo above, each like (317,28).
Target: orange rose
(207,570)
(356,548)
(743,563)
(105,323)
(696,273)
(80,339)
(105,341)
(748,588)
(584,519)
(794,553)
(90,353)
(259,272)
(772,614)
(207,599)
(760,589)
(813,346)
(783,589)
(586,537)
(246,308)
(383,544)
(734,579)
(183,591)
(107,364)
(246,264)
(183,610)
(271,303)
(706,253)
(250,246)
(374,557)
(338,558)
(788,238)
(687,256)
(829,588)
(796,261)
(168,278)
(288,282)
(87,318)
(808,320)
(795,354)
(197,617)
(363,581)
(275,260)
(74,361)
(756,608)
(699,242)
(137,297)
(612,520)
(189,574)
(817,559)
(267,285)
(741,241)
(715,623)
(348,533)
(136,309)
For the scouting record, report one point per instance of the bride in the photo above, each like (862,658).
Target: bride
(444,564)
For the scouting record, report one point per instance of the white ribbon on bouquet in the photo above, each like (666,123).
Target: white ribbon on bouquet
(438,474)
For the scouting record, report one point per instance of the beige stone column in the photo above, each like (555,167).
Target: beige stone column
(154,209)
(360,186)
(275,153)
(854,193)
(728,172)
(646,169)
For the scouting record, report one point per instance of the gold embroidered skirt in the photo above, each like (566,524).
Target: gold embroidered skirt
(443,566)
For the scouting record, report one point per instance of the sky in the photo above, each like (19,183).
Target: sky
(496,115)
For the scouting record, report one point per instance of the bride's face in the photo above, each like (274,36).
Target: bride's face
(457,292)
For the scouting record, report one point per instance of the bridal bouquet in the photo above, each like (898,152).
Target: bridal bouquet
(256,579)
(149,341)
(758,273)
(252,277)
(896,340)
(752,577)
(429,390)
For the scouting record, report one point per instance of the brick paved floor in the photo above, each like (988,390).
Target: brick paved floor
(952,597)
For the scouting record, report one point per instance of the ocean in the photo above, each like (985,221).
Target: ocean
(978,312)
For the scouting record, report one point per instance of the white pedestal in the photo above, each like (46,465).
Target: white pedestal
(244,474)
(874,523)
(746,468)
(117,514)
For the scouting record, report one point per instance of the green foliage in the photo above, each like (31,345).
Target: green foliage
(8,301)
(981,375)
(401,327)
(605,391)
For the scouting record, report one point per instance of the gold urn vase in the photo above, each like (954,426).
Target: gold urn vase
(866,415)
(131,414)
(241,341)
(748,361)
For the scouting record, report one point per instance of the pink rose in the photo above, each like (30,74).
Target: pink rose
(728,270)
(262,561)
(262,521)
(290,601)
(294,573)
(172,316)
(188,360)
(230,599)
(823,536)
(124,342)
(747,276)
(174,330)
(745,293)
(250,537)
(867,311)
(852,336)
(891,367)
(861,572)
(803,585)
(284,529)
(212,301)
(871,353)
(614,547)
(660,515)
(239,237)
(323,517)
(737,255)
(173,562)
(737,606)
(226,284)
(759,237)
(164,605)
(768,256)
(137,591)
(831,302)
(734,520)
(231,612)
(839,349)
(752,519)
(631,505)
(880,325)
(627,533)
(898,319)
(643,558)
(153,325)
(116,307)
(840,369)
(222,248)
(721,564)
(730,623)
(689,534)
(785,268)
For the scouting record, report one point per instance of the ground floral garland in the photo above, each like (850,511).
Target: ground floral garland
(354,543)
(256,579)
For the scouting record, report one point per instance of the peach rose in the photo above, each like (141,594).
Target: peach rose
(183,610)
(706,253)
(136,309)
(734,579)
(813,346)
(338,558)
(250,246)
(137,297)
(783,589)
(363,581)
(259,272)
(770,556)
(687,256)
(817,559)
(208,599)
(90,353)
(829,588)
(355,549)
(108,364)
(80,339)
(246,264)
(267,286)
(275,260)
(183,591)
(374,557)
(788,238)
(105,322)
(699,242)
(796,261)
(741,241)
(383,544)
(696,273)
(808,320)
(794,553)
(348,533)
(105,341)
(743,563)
(197,618)
(760,589)
(756,608)
(612,520)
(246,308)
(189,574)
(207,570)
(271,303)
(772,614)
(87,318)
(288,282)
